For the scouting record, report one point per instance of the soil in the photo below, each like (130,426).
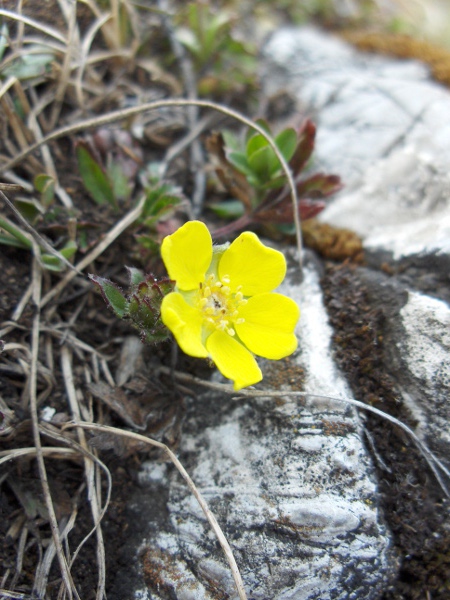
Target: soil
(414,505)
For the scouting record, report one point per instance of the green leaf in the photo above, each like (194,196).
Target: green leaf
(136,276)
(255,143)
(119,181)
(228,209)
(263,124)
(112,295)
(45,185)
(69,249)
(19,235)
(9,240)
(30,209)
(231,141)
(94,178)
(262,163)
(51,262)
(286,142)
(239,160)
(4,37)
(29,65)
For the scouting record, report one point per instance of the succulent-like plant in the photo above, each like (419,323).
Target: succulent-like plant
(252,174)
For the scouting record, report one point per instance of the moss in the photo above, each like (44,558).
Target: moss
(411,501)
(404,46)
(331,242)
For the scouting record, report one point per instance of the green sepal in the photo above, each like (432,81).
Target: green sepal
(112,294)
(142,303)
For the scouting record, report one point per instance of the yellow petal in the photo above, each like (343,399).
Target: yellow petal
(251,264)
(187,254)
(268,329)
(185,322)
(233,360)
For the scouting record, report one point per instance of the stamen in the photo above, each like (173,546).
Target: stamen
(220,307)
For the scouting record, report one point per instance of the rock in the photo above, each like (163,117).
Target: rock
(290,482)
(383,127)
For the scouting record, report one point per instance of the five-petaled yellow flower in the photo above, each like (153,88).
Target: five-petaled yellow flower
(223,306)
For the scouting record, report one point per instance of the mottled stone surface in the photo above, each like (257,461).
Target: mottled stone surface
(290,482)
(383,126)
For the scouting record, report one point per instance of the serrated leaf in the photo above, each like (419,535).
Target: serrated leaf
(136,276)
(112,295)
(94,178)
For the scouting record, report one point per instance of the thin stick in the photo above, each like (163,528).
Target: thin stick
(32,23)
(36,236)
(126,113)
(208,514)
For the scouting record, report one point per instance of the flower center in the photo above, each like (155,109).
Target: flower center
(219,305)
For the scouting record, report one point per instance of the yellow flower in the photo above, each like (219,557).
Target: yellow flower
(223,306)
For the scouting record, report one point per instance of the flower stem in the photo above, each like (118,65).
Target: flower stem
(226,230)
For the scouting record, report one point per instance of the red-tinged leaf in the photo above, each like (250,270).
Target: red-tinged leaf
(309,209)
(233,180)
(282,212)
(319,186)
(305,147)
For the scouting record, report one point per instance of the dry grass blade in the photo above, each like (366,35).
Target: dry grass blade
(79,450)
(35,235)
(85,48)
(112,235)
(50,31)
(63,80)
(127,113)
(90,470)
(208,514)
(37,281)
(50,452)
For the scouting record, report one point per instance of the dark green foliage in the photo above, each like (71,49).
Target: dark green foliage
(141,305)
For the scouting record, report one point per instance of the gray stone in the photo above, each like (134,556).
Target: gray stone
(290,482)
(383,126)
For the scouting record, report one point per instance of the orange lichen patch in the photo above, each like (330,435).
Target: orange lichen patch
(284,372)
(332,242)
(404,46)
(336,428)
